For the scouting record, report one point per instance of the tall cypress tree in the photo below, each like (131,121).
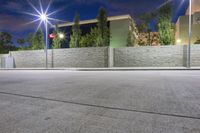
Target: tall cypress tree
(21,42)
(103,37)
(76,33)
(30,40)
(57,39)
(129,39)
(38,40)
(165,27)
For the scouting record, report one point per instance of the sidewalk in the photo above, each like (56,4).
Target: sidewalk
(111,69)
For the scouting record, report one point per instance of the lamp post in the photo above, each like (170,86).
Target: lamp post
(189,35)
(44,18)
(46,46)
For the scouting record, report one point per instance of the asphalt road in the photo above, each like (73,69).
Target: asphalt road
(99,102)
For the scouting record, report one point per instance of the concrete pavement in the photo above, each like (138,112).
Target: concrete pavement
(97,102)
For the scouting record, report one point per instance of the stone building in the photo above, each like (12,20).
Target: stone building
(182,25)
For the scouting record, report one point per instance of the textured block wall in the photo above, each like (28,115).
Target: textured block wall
(158,56)
(29,59)
(77,57)
(1,56)
(80,57)
(195,55)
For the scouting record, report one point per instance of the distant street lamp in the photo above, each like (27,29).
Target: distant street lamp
(178,41)
(189,35)
(61,35)
(44,18)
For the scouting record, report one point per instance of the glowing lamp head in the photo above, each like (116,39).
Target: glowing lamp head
(178,40)
(43,17)
(61,35)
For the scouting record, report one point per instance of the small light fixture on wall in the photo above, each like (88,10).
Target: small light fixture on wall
(178,41)
(61,36)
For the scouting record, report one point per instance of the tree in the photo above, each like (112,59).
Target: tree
(145,19)
(129,39)
(38,40)
(173,33)
(103,37)
(21,43)
(6,44)
(56,40)
(76,33)
(30,39)
(6,48)
(165,27)
(132,36)
(165,33)
(143,26)
(90,39)
(5,38)
(165,11)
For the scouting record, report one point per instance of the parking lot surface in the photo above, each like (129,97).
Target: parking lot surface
(60,101)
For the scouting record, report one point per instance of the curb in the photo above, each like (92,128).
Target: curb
(105,69)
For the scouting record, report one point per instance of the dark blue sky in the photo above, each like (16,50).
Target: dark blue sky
(12,19)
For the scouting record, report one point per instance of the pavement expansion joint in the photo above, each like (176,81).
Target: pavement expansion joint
(100,106)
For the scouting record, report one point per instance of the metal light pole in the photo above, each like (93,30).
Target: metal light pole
(189,35)
(46,44)
(44,18)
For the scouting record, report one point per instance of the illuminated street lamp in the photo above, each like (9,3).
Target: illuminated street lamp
(43,16)
(61,35)
(178,41)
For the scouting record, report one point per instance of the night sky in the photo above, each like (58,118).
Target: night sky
(13,20)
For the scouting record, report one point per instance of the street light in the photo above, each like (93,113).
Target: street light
(61,35)
(44,17)
(189,35)
(178,41)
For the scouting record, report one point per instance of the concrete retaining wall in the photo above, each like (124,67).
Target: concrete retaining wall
(81,57)
(77,57)
(157,56)
(147,56)
(195,55)
(1,56)
(29,59)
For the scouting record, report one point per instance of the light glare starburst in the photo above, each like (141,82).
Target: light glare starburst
(42,15)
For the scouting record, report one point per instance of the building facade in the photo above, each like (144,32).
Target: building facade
(119,27)
(182,25)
